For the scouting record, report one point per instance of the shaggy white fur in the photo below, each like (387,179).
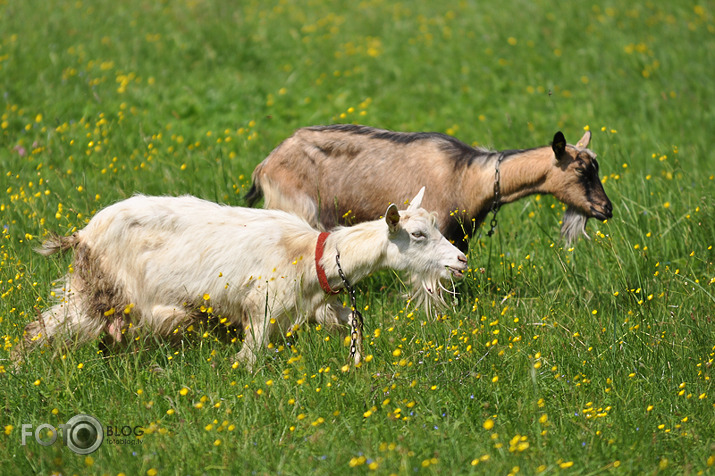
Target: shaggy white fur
(152,262)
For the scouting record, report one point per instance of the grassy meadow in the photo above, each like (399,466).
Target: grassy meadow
(591,359)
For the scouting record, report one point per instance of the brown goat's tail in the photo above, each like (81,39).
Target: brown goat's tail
(56,243)
(254,194)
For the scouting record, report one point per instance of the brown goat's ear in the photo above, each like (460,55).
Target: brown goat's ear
(559,145)
(392,217)
(583,142)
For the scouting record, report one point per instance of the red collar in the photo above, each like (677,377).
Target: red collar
(322,278)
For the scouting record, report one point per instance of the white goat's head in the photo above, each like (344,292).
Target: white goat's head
(417,245)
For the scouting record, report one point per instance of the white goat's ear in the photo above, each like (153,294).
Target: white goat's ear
(392,217)
(583,142)
(417,201)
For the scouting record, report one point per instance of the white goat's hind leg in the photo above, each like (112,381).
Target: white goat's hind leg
(113,339)
(66,320)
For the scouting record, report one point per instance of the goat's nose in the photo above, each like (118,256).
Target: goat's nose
(462,259)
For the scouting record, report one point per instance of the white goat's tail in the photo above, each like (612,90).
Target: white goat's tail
(56,243)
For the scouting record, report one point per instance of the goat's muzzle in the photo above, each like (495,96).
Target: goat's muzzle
(605,212)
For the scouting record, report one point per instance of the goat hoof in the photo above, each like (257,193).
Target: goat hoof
(155,369)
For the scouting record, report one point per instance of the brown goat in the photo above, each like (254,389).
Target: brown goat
(339,174)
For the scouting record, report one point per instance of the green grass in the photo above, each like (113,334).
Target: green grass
(588,360)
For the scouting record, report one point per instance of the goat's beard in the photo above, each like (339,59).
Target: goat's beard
(573,225)
(431,292)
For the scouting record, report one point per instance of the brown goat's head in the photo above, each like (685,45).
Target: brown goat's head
(575,182)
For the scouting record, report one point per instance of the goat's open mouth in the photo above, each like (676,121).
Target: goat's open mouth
(456,272)
(600,215)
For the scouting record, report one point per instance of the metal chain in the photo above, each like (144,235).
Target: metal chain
(496,204)
(356,321)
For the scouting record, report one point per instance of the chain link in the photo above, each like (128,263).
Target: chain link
(496,204)
(356,320)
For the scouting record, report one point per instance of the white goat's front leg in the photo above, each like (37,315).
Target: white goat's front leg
(332,315)
(164,320)
(335,317)
(356,336)
(256,338)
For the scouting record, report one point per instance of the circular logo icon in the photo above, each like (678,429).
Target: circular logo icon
(85,434)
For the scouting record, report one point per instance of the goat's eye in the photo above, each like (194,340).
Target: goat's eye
(580,171)
(418,235)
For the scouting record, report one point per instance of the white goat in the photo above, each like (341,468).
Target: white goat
(152,262)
